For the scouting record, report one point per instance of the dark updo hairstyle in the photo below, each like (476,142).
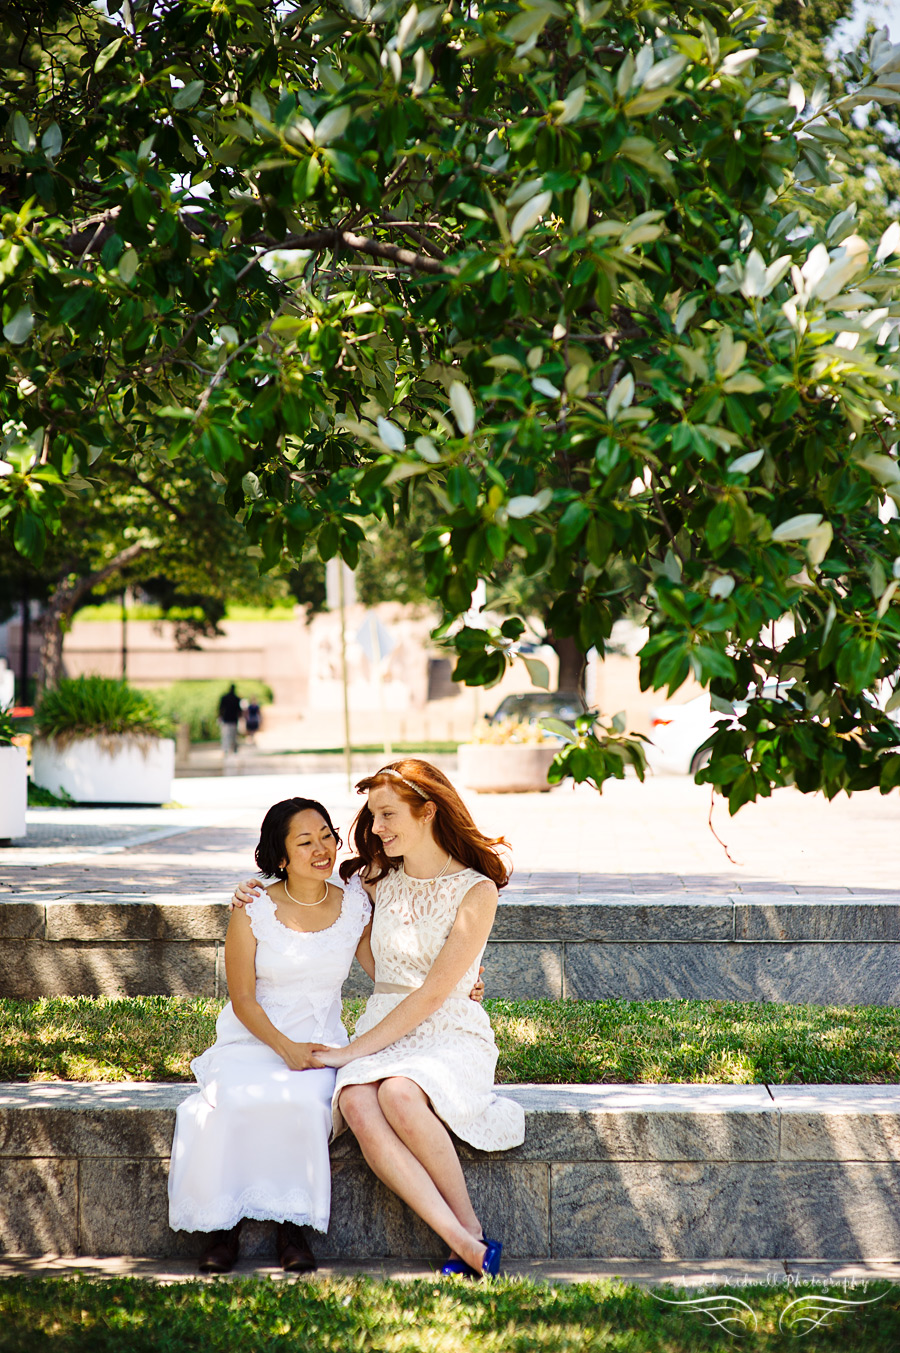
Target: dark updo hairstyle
(273,833)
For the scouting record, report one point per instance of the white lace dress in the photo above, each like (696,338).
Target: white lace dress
(451,1055)
(253,1141)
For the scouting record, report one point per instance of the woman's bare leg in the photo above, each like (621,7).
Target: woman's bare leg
(396,1166)
(406,1107)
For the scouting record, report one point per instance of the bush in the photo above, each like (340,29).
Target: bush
(95,706)
(196,703)
(7,728)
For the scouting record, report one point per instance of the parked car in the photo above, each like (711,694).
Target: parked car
(530,708)
(678,732)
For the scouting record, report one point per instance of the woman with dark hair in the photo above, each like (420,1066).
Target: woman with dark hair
(422,1062)
(253,1141)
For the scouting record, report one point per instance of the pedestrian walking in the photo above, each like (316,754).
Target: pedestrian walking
(229,714)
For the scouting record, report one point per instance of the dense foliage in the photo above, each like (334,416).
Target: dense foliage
(570,268)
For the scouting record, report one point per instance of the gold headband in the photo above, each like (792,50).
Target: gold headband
(387,771)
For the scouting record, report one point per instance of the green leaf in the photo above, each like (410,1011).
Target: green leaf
(29,536)
(538,671)
(23,136)
(719,527)
(107,54)
(51,141)
(328,541)
(572,523)
(188,96)
(306,176)
(561,729)
(18,329)
(128,266)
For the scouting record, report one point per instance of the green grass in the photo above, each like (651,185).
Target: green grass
(625,1042)
(377,749)
(112,610)
(241,1315)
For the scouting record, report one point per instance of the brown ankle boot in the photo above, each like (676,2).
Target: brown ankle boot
(294,1254)
(220,1250)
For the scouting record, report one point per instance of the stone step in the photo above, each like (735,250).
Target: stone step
(772,947)
(656,1172)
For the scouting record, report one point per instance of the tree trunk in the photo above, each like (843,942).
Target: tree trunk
(63,604)
(572,664)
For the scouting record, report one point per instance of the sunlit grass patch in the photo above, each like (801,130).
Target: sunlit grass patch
(617,1042)
(244,1315)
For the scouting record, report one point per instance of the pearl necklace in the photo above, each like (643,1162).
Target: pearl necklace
(432,879)
(308,904)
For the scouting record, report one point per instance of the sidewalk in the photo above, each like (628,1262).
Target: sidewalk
(692,1275)
(634,839)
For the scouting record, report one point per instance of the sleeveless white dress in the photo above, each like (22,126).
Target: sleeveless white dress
(451,1055)
(253,1141)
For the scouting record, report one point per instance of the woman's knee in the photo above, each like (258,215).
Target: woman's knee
(357,1103)
(400,1098)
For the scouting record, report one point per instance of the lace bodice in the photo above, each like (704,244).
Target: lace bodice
(412,920)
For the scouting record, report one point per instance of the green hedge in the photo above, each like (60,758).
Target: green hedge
(197,703)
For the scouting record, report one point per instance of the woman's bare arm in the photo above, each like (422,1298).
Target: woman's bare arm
(364,952)
(240,969)
(466,940)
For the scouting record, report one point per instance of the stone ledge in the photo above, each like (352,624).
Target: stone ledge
(654,1171)
(816,950)
(661,918)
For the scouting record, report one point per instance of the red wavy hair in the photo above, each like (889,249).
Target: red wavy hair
(452,824)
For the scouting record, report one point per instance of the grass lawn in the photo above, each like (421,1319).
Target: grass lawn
(155,1037)
(509,1316)
(377,749)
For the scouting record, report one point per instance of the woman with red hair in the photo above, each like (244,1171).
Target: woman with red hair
(422,1062)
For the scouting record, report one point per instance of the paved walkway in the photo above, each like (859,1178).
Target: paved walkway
(635,839)
(693,1275)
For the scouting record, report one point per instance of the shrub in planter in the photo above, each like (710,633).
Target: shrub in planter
(101,741)
(13,781)
(509,757)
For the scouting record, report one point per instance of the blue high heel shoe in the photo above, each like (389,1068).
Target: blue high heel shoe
(490,1264)
(458,1268)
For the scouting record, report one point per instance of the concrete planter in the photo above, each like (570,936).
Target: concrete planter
(117,769)
(505,768)
(13,791)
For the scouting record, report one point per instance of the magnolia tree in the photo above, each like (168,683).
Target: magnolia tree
(561,267)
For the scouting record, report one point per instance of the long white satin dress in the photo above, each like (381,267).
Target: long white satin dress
(253,1140)
(451,1055)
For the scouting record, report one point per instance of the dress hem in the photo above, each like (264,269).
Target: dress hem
(230,1219)
(479,1143)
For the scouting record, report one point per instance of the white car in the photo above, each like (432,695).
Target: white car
(678,732)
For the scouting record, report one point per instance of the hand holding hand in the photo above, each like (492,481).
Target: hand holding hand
(299,1056)
(477,992)
(245,892)
(324,1055)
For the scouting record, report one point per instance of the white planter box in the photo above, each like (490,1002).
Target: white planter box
(505,768)
(119,769)
(13,791)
